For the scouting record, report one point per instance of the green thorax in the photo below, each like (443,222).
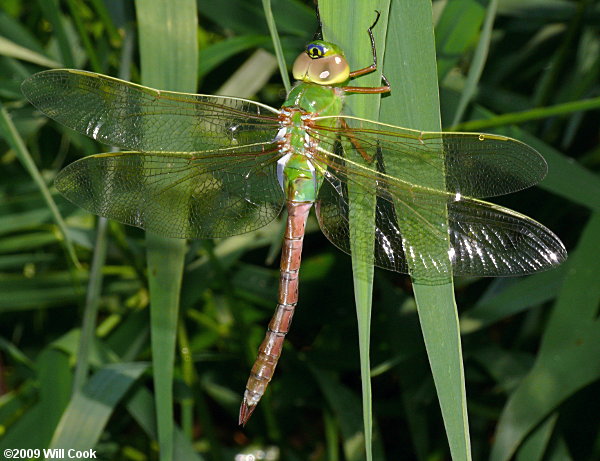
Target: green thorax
(299,175)
(317,99)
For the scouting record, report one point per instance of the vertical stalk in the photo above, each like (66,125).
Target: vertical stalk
(346,23)
(92,300)
(94,288)
(169,56)
(187,373)
(277,44)
(409,63)
(414,103)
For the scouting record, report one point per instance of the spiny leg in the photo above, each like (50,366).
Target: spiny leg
(365,70)
(372,67)
(319,32)
(369,89)
(368,158)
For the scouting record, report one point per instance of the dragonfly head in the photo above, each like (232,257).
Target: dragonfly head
(323,63)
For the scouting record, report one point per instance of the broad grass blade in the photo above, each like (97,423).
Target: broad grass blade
(168,48)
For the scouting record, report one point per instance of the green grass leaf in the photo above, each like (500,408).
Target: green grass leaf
(538,113)
(142,408)
(168,47)
(35,427)
(11,49)
(456,31)
(515,297)
(11,135)
(277,44)
(52,13)
(568,359)
(411,68)
(85,417)
(479,58)
(347,27)
(347,409)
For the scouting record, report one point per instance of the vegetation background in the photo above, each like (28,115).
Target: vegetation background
(531,345)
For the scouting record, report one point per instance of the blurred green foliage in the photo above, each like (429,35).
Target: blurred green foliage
(531,344)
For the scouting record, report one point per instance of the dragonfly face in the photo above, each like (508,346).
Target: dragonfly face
(323,63)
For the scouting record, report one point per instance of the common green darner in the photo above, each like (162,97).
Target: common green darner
(202,166)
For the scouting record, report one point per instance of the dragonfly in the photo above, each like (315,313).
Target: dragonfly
(203,166)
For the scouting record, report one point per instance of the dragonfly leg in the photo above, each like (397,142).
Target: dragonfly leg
(319,32)
(365,70)
(368,158)
(369,89)
(372,67)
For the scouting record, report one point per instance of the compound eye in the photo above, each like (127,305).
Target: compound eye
(301,67)
(329,70)
(315,50)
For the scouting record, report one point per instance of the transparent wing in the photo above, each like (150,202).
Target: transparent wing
(179,195)
(134,117)
(474,164)
(413,216)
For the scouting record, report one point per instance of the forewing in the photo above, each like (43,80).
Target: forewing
(483,239)
(133,117)
(473,164)
(182,196)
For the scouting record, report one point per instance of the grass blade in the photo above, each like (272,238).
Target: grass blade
(12,137)
(568,358)
(83,35)
(346,25)
(538,113)
(11,49)
(411,68)
(35,428)
(456,30)
(277,44)
(142,409)
(478,62)
(168,48)
(92,301)
(260,66)
(347,409)
(517,297)
(537,443)
(85,417)
(51,11)
(94,288)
